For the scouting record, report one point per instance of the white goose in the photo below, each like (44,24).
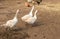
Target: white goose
(31,20)
(28,15)
(11,23)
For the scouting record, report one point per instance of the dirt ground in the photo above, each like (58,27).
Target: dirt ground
(47,25)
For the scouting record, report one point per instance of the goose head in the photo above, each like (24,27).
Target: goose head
(35,14)
(30,13)
(16,14)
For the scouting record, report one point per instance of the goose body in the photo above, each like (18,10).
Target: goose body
(13,22)
(25,17)
(32,20)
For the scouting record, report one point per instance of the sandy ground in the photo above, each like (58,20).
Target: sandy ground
(47,25)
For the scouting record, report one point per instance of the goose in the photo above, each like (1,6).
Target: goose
(13,22)
(28,15)
(32,20)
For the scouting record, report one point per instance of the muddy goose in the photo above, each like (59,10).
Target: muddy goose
(13,22)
